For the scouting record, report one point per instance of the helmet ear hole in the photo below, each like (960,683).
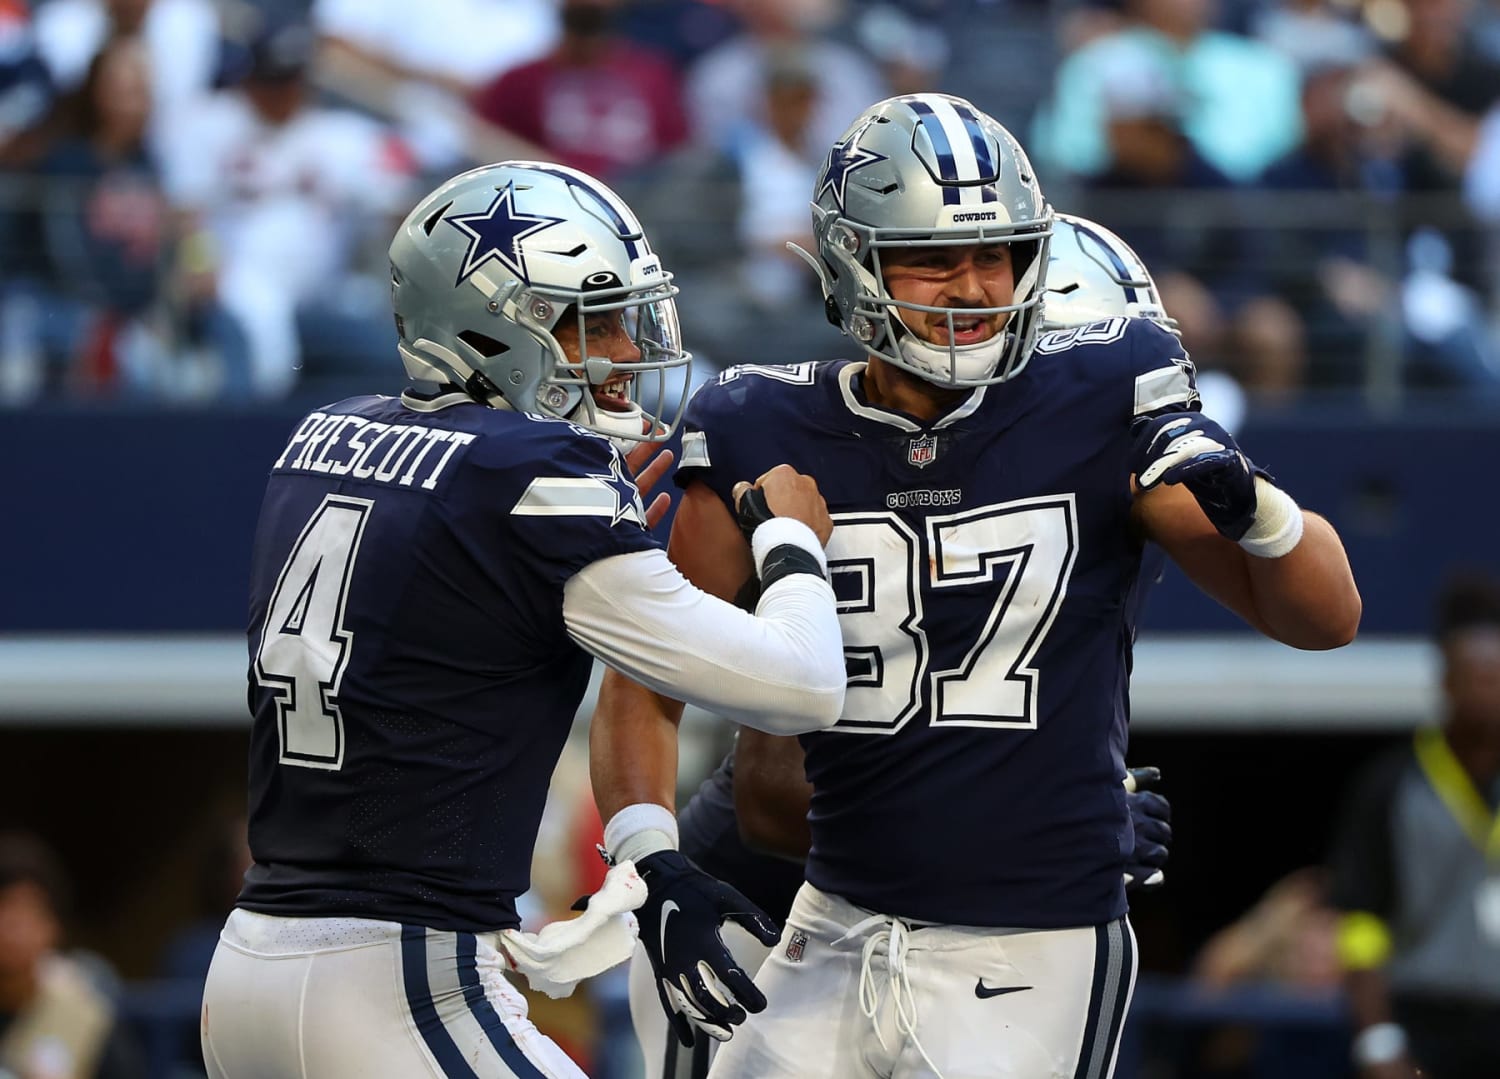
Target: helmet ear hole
(433,218)
(483,344)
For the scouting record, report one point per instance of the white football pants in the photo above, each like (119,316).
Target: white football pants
(851,995)
(327,998)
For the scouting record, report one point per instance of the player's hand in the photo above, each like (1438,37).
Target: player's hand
(782,492)
(699,982)
(648,463)
(1191,449)
(1151,819)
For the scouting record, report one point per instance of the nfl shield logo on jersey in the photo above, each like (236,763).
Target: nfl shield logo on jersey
(796,946)
(922,451)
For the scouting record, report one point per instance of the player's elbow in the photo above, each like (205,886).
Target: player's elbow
(1333,624)
(805,709)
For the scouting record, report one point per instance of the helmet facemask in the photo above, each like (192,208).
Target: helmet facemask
(875,318)
(648,393)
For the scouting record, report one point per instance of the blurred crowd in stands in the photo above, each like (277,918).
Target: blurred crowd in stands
(196,195)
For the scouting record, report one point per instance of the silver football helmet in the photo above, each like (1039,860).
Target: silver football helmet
(927,170)
(1093,275)
(484,271)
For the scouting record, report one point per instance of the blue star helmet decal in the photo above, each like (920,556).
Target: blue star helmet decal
(497,234)
(843,159)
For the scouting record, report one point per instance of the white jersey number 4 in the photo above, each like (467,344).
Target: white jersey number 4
(304,646)
(879,566)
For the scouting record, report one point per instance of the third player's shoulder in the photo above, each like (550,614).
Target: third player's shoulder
(1134,355)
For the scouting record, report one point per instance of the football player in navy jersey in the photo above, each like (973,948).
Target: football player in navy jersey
(992,489)
(432,576)
(1092,274)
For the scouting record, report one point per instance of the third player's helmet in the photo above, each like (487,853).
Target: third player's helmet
(926,170)
(1093,275)
(486,267)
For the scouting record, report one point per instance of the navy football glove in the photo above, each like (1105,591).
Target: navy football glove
(1191,449)
(700,984)
(1151,819)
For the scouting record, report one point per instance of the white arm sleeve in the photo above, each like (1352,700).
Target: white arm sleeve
(780,670)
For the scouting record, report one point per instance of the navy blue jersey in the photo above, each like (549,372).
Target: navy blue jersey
(709,834)
(986,571)
(411,676)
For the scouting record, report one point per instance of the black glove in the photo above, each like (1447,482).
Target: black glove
(699,982)
(1151,819)
(1191,449)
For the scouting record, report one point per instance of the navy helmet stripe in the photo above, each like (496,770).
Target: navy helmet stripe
(635,248)
(976,137)
(1122,271)
(947,167)
(489,1020)
(423,1010)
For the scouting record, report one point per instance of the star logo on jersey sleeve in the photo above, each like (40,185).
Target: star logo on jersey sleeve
(843,159)
(628,505)
(497,234)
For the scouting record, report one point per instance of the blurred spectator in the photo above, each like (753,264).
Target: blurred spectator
(1238,97)
(419,67)
(25,86)
(1334,269)
(1285,943)
(276,194)
(596,102)
(682,29)
(108,239)
(1461,84)
(1203,252)
(911,52)
(1313,34)
(55,1022)
(1414,870)
(1286,939)
(181,40)
(753,300)
(727,86)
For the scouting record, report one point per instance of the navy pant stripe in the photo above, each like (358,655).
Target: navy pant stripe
(479,1004)
(1108,999)
(419,1000)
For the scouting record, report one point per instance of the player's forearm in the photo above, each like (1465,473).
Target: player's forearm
(1307,598)
(771,794)
(632,746)
(1369,997)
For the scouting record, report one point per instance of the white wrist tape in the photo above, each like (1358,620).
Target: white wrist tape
(780,530)
(639,830)
(1277,527)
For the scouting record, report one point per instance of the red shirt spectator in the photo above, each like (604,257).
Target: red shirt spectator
(596,102)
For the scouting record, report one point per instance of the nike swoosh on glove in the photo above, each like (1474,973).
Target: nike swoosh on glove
(699,982)
(1191,449)
(1151,820)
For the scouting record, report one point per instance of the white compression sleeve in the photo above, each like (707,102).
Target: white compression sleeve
(780,670)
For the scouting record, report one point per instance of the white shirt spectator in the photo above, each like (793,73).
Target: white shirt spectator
(281,203)
(470,40)
(182,43)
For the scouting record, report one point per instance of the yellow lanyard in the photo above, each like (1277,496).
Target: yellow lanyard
(1458,792)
